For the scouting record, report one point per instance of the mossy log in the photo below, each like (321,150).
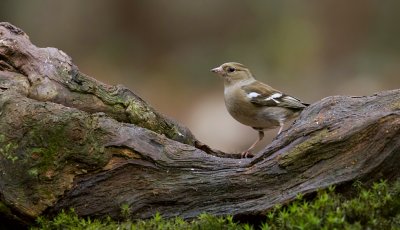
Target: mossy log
(69,141)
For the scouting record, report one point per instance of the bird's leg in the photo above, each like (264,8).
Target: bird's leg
(281,128)
(248,151)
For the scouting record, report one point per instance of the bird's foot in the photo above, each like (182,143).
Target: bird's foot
(246,154)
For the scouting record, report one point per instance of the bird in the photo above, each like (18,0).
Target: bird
(254,103)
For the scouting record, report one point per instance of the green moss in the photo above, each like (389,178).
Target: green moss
(4,209)
(7,150)
(122,102)
(69,220)
(375,208)
(302,150)
(125,211)
(395,105)
(2,138)
(47,148)
(34,172)
(139,114)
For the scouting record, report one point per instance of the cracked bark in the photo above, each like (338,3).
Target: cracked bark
(67,140)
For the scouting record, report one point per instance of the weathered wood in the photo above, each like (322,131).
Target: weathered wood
(67,140)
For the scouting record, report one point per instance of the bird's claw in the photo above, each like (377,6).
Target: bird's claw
(247,153)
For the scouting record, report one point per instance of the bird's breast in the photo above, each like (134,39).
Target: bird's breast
(240,108)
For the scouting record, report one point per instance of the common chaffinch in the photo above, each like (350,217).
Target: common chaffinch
(254,103)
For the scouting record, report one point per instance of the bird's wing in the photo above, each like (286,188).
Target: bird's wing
(263,95)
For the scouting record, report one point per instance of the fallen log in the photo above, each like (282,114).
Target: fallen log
(67,140)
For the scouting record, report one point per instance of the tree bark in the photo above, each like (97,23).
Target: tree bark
(67,140)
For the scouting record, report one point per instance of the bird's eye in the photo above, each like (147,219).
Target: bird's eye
(231,69)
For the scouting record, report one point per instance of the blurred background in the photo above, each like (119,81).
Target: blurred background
(163,50)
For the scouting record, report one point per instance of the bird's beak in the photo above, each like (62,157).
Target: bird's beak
(217,70)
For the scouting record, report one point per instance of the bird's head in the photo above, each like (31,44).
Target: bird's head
(233,72)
